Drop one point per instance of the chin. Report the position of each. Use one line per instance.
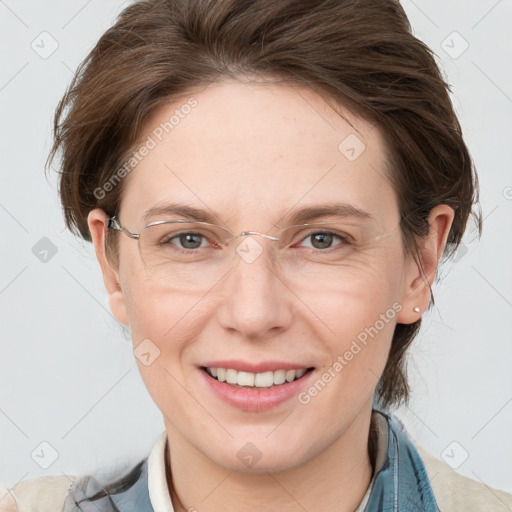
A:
(261, 455)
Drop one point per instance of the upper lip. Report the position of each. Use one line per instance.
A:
(264, 366)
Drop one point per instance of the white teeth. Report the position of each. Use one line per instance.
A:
(279, 377)
(231, 376)
(264, 380)
(245, 379)
(299, 373)
(290, 375)
(259, 380)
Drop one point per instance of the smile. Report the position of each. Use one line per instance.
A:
(255, 380)
(255, 386)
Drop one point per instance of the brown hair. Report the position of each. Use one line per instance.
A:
(360, 54)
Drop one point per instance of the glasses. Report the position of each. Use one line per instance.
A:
(194, 256)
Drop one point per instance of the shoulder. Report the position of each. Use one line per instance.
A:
(94, 492)
(43, 494)
(457, 493)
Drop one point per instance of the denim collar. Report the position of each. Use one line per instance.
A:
(401, 483)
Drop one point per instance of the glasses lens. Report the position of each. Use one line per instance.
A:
(185, 255)
(196, 256)
(328, 256)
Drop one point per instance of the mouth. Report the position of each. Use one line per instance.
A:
(249, 380)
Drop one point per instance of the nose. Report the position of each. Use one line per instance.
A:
(257, 303)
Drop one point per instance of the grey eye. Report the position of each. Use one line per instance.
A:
(190, 240)
(325, 240)
(322, 240)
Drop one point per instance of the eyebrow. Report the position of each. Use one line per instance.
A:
(299, 216)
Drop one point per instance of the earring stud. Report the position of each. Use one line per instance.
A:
(416, 309)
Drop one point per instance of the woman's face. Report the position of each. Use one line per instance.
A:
(253, 155)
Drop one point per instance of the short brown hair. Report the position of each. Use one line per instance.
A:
(360, 54)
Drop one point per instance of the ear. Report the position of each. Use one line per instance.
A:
(416, 291)
(97, 221)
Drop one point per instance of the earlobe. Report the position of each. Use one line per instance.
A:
(97, 222)
(420, 275)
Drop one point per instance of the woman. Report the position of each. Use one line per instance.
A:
(269, 188)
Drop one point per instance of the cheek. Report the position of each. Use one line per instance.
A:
(363, 289)
(166, 324)
(361, 324)
(361, 318)
(163, 328)
(164, 317)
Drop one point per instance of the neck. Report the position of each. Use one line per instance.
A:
(336, 479)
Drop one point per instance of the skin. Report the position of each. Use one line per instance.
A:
(251, 151)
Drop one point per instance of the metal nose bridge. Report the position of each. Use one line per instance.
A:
(244, 233)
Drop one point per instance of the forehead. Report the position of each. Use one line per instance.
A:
(254, 150)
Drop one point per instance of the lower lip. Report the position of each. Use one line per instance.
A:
(256, 399)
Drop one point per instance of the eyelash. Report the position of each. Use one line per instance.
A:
(344, 240)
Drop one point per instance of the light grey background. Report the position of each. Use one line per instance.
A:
(67, 371)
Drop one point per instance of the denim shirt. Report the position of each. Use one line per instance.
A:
(401, 483)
